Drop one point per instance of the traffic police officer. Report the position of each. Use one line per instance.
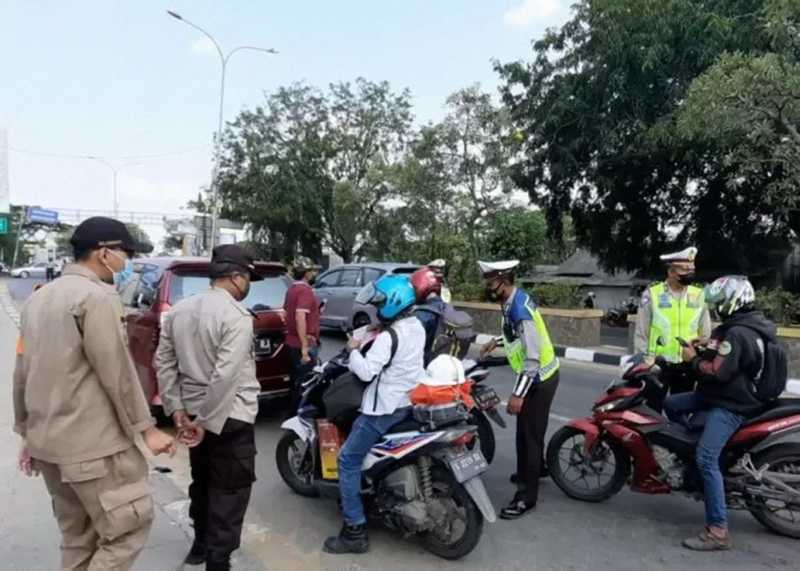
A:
(207, 381)
(78, 404)
(532, 356)
(668, 310)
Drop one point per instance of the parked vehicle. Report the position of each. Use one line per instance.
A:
(590, 459)
(617, 316)
(38, 270)
(159, 283)
(338, 287)
(422, 479)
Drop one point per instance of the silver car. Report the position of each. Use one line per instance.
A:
(338, 287)
(33, 271)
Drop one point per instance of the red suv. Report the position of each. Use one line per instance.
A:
(160, 283)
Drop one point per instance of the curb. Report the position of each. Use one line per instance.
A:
(8, 304)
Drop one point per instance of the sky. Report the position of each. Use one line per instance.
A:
(121, 79)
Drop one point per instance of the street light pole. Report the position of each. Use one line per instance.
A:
(223, 58)
(114, 170)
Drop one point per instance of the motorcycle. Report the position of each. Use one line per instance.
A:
(591, 459)
(422, 479)
(486, 403)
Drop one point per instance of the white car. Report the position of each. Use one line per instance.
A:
(33, 271)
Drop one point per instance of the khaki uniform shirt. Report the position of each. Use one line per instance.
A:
(77, 396)
(644, 319)
(205, 360)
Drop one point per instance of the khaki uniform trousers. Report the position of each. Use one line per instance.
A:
(104, 509)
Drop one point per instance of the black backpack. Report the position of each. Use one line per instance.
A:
(454, 333)
(771, 379)
(343, 398)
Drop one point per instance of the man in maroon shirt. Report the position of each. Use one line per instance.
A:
(302, 324)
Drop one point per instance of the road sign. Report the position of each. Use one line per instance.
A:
(41, 216)
(3, 225)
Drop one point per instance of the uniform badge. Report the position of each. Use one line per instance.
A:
(664, 300)
(725, 348)
(693, 301)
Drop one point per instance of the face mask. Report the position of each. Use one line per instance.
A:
(121, 277)
(686, 279)
(492, 293)
(243, 293)
(312, 279)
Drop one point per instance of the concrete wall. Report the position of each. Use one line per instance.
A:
(789, 337)
(567, 327)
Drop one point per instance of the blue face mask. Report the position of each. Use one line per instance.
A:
(124, 275)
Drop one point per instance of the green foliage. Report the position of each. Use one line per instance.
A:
(557, 295)
(779, 305)
(468, 291)
(598, 115)
(522, 234)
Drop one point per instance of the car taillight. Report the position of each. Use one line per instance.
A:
(464, 439)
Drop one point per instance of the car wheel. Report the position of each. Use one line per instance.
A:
(24, 275)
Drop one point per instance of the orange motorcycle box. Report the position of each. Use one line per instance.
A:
(330, 442)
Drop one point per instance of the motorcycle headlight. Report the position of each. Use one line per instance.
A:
(609, 406)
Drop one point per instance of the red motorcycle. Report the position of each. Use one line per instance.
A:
(590, 459)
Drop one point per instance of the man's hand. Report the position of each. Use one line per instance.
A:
(180, 419)
(488, 348)
(689, 353)
(159, 442)
(305, 357)
(514, 405)
(353, 344)
(191, 434)
(25, 462)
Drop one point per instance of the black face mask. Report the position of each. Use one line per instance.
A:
(492, 293)
(686, 279)
(312, 279)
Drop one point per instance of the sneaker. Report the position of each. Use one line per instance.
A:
(351, 539)
(707, 541)
(516, 509)
(196, 555)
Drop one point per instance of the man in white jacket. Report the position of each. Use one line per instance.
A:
(393, 366)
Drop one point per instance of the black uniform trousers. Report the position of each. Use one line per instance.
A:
(531, 430)
(223, 472)
(675, 380)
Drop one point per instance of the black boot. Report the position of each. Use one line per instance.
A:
(197, 554)
(352, 539)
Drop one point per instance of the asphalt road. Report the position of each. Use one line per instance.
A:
(628, 532)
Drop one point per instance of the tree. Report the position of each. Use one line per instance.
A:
(521, 234)
(597, 131)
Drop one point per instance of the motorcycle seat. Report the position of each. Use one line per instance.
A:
(781, 409)
(407, 425)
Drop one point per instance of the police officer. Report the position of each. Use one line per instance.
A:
(207, 381)
(532, 356)
(78, 404)
(668, 310)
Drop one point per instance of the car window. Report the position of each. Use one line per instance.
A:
(371, 274)
(350, 278)
(266, 294)
(144, 282)
(331, 279)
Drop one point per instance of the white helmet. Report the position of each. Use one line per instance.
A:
(444, 370)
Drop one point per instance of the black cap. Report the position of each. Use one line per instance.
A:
(102, 232)
(230, 258)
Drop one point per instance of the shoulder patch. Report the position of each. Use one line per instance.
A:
(725, 348)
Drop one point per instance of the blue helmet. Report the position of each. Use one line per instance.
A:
(391, 295)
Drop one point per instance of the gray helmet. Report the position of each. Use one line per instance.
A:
(730, 294)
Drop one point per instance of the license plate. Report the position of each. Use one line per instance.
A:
(486, 397)
(263, 346)
(467, 466)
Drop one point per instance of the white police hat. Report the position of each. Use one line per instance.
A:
(497, 267)
(687, 255)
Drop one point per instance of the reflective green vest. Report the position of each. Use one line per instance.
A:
(522, 305)
(673, 318)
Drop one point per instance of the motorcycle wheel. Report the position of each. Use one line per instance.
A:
(485, 434)
(569, 465)
(781, 520)
(464, 518)
(295, 470)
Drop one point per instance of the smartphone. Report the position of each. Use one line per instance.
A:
(682, 342)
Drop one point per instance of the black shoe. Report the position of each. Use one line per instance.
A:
(516, 509)
(197, 554)
(352, 539)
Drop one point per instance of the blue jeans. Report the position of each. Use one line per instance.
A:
(367, 431)
(720, 425)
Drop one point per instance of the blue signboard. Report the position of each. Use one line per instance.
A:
(37, 215)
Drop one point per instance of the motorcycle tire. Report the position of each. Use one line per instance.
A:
(622, 468)
(778, 455)
(301, 486)
(444, 484)
(485, 434)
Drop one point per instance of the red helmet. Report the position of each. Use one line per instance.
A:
(426, 282)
